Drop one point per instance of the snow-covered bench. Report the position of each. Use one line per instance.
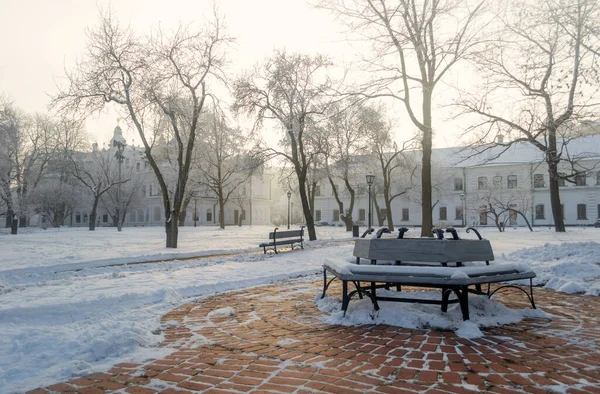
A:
(289, 237)
(400, 262)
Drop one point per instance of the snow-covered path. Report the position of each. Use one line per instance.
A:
(70, 304)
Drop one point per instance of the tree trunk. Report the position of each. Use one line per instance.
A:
(557, 214)
(172, 231)
(92, 226)
(310, 221)
(182, 215)
(9, 216)
(221, 213)
(426, 142)
(388, 214)
(377, 212)
(14, 228)
(526, 220)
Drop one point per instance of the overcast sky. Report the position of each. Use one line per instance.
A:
(39, 38)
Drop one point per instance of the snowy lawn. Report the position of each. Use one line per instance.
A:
(71, 304)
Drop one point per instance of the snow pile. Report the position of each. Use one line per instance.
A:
(484, 312)
(572, 267)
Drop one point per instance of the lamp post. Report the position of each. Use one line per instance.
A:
(119, 155)
(289, 194)
(462, 206)
(370, 180)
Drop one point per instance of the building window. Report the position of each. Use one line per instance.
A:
(482, 183)
(539, 211)
(318, 215)
(497, 180)
(144, 190)
(458, 213)
(336, 215)
(150, 190)
(483, 215)
(458, 184)
(511, 182)
(405, 214)
(85, 218)
(105, 218)
(208, 215)
(538, 180)
(561, 179)
(580, 180)
(361, 214)
(317, 191)
(443, 215)
(581, 212)
(77, 217)
(137, 167)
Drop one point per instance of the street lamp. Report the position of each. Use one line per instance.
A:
(370, 180)
(119, 155)
(462, 206)
(289, 194)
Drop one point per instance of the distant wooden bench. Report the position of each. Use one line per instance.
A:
(423, 262)
(289, 237)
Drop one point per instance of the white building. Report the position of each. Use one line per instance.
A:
(463, 189)
(517, 177)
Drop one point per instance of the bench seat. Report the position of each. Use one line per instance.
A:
(450, 280)
(281, 242)
(288, 237)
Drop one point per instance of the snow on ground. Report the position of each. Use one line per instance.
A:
(72, 302)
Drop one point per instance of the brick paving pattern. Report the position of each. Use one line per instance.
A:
(275, 342)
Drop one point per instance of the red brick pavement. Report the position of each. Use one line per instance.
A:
(275, 342)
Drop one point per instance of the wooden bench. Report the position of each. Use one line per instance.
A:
(423, 262)
(289, 237)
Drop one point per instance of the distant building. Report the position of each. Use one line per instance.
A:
(463, 187)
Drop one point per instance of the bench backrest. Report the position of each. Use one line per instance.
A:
(286, 234)
(424, 250)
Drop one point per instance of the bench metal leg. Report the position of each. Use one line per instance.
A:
(529, 295)
(325, 283)
(463, 299)
(358, 289)
(445, 298)
(345, 298)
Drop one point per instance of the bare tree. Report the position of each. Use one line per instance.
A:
(397, 169)
(166, 77)
(540, 61)
(95, 171)
(416, 44)
(33, 147)
(293, 90)
(224, 166)
(345, 143)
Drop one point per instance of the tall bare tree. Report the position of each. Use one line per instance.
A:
(397, 169)
(416, 43)
(538, 60)
(95, 172)
(223, 164)
(162, 76)
(344, 147)
(293, 90)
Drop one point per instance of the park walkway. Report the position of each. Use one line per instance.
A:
(271, 339)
